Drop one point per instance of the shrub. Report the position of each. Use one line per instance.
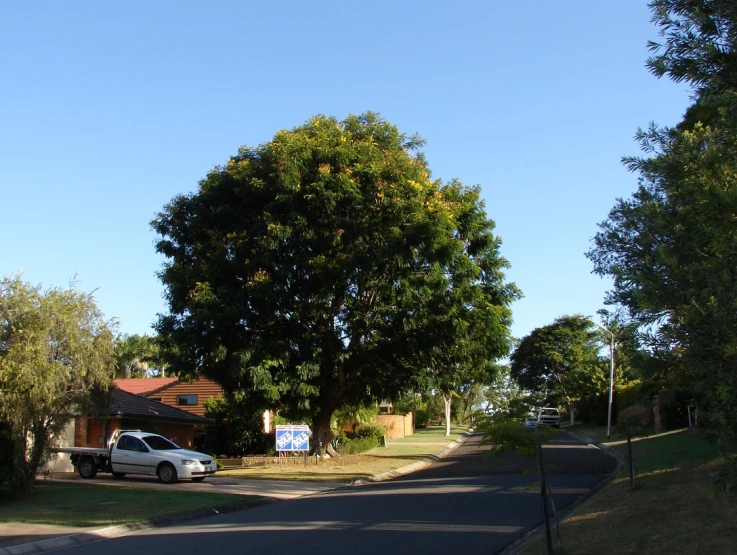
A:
(628, 394)
(358, 445)
(370, 430)
(636, 423)
(422, 418)
(238, 427)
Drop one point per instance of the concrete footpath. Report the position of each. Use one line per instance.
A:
(17, 538)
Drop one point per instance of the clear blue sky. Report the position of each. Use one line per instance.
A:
(109, 109)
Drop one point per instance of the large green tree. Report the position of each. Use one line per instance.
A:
(671, 247)
(301, 269)
(468, 315)
(561, 360)
(56, 349)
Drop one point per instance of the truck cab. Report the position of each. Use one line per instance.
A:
(548, 416)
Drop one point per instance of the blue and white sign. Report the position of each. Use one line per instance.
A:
(293, 437)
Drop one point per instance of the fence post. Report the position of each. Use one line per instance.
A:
(629, 454)
(543, 492)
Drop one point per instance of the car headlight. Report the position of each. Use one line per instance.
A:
(187, 462)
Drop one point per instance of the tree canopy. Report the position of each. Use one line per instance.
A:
(560, 360)
(303, 269)
(56, 349)
(671, 247)
(133, 354)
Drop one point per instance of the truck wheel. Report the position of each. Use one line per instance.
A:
(118, 474)
(167, 473)
(87, 469)
(199, 479)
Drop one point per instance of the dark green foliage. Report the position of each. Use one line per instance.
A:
(6, 458)
(671, 247)
(508, 434)
(700, 46)
(422, 418)
(561, 359)
(348, 446)
(238, 428)
(304, 270)
(370, 429)
(629, 394)
(636, 425)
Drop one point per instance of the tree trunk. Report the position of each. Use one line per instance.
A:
(572, 410)
(322, 434)
(447, 399)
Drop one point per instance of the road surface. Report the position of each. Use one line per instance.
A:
(463, 504)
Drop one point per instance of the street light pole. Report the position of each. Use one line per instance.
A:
(611, 378)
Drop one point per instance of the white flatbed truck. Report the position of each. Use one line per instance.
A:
(135, 452)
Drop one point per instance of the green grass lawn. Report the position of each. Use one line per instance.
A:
(670, 510)
(348, 468)
(433, 434)
(598, 433)
(80, 505)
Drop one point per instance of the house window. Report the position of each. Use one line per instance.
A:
(187, 400)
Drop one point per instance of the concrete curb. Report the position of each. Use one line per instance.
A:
(452, 446)
(110, 532)
(518, 546)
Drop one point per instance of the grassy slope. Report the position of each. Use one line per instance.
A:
(668, 512)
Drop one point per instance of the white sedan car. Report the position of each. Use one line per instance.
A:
(152, 454)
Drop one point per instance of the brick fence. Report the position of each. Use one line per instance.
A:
(397, 425)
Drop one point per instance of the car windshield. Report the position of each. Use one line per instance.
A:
(158, 443)
(550, 412)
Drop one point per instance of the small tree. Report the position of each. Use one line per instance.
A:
(55, 350)
(560, 360)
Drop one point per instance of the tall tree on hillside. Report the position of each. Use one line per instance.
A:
(55, 350)
(561, 360)
(301, 270)
(670, 247)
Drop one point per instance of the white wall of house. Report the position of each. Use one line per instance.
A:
(59, 462)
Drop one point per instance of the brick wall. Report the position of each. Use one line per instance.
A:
(181, 434)
(397, 425)
(90, 432)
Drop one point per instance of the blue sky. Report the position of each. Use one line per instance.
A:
(108, 110)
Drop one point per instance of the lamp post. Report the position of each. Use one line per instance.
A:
(611, 378)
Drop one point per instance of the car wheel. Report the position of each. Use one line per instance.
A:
(118, 474)
(87, 469)
(167, 473)
(198, 479)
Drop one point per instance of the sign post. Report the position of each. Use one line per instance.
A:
(294, 438)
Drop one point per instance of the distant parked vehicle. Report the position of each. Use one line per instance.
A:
(531, 422)
(548, 417)
(142, 453)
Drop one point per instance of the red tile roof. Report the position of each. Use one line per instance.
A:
(141, 386)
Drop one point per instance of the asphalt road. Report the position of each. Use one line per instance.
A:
(465, 503)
